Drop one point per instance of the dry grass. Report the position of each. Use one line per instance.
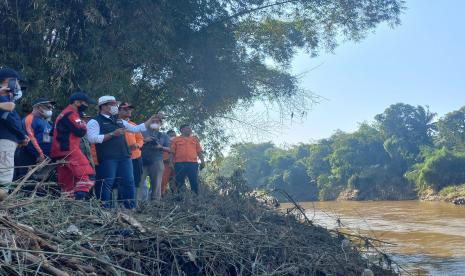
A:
(218, 233)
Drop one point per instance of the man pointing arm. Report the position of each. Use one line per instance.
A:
(106, 131)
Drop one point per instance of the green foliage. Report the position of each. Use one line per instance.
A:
(381, 183)
(405, 129)
(329, 189)
(451, 130)
(391, 159)
(252, 159)
(354, 152)
(196, 60)
(442, 168)
(268, 167)
(446, 191)
(317, 162)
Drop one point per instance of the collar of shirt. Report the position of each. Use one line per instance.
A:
(106, 116)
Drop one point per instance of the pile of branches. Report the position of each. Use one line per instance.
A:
(221, 232)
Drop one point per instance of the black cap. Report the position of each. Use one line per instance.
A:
(80, 96)
(126, 105)
(42, 101)
(6, 73)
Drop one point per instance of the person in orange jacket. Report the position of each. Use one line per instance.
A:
(185, 154)
(135, 142)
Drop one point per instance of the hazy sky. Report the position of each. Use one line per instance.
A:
(421, 62)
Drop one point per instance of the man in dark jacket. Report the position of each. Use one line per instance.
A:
(74, 174)
(107, 132)
(39, 128)
(12, 133)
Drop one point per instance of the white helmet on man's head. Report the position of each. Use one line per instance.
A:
(106, 99)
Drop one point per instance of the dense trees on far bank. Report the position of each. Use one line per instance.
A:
(398, 156)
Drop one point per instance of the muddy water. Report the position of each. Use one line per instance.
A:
(429, 237)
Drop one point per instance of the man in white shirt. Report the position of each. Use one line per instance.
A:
(106, 131)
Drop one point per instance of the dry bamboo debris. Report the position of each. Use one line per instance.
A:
(210, 234)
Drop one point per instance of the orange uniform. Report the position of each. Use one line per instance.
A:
(168, 172)
(135, 139)
(93, 153)
(185, 149)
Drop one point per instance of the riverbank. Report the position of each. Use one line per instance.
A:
(451, 194)
(213, 234)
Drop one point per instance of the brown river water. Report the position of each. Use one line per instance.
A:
(429, 237)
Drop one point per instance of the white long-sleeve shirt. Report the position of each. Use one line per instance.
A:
(93, 130)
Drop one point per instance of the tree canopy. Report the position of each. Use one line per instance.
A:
(195, 60)
(451, 130)
(402, 153)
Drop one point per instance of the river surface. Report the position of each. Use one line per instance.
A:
(429, 237)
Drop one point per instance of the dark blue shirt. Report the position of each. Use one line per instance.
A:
(10, 124)
(161, 138)
(40, 131)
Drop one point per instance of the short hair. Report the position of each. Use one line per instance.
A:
(183, 126)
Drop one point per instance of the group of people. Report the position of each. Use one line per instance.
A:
(95, 155)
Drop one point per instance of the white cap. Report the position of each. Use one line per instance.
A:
(106, 99)
(161, 115)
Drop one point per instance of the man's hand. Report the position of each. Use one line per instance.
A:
(202, 165)
(40, 159)
(24, 142)
(8, 106)
(133, 147)
(119, 132)
(4, 89)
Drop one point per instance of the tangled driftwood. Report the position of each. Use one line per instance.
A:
(212, 234)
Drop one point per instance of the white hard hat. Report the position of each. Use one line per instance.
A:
(106, 99)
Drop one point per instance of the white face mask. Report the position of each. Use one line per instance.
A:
(113, 110)
(48, 113)
(155, 126)
(18, 95)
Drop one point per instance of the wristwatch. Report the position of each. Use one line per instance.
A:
(112, 134)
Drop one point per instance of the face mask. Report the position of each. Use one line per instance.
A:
(82, 108)
(154, 126)
(17, 95)
(114, 110)
(48, 113)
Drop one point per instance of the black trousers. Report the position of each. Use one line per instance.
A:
(137, 170)
(189, 170)
(22, 159)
